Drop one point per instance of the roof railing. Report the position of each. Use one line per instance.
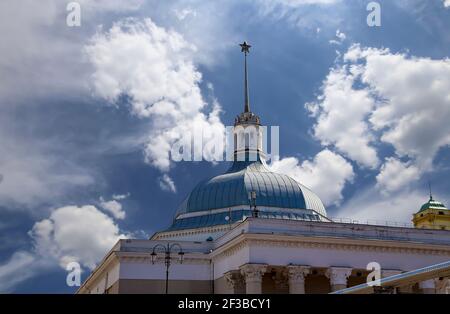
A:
(372, 222)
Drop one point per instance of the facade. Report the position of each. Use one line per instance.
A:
(251, 230)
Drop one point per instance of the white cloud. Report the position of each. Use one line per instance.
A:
(447, 3)
(82, 234)
(414, 109)
(154, 67)
(20, 267)
(340, 38)
(113, 207)
(119, 197)
(408, 107)
(70, 234)
(377, 208)
(326, 174)
(395, 175)
(166, 183)
(341, 111)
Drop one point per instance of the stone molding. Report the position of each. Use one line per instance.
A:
(189, 232)
(302, 242)
(160, 259)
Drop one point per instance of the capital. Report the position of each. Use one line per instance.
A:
(297, 273)
(234, 279)
(338, 275)
(253, 272)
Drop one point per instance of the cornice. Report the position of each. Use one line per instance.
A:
(246, 240)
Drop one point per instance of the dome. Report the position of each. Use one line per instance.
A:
(432, 204)
(225, 198)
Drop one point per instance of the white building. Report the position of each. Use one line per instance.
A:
(251, 230)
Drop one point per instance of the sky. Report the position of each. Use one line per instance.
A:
(89, 113)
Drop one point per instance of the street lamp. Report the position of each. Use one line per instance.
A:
(252, 198)
(167, 250)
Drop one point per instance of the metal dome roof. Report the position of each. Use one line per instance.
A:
(432, 204)
(231, 189)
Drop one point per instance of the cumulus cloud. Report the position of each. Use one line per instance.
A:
(341, 113)
(113, 207)
(153, 67)
(326, 174)
(395, 175)
(408, 107)
(81, 234)
(447, 3)
(414, 105)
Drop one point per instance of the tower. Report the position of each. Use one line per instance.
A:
(432, 215)
(247, 132)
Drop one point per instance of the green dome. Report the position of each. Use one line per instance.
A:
(432, 204)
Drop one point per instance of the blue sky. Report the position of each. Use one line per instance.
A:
(87, 114)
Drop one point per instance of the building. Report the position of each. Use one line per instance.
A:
(432, 215)
(251, 230)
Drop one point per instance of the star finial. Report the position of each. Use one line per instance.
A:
(245, 47)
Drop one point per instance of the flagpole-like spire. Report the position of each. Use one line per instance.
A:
(429, 187)
(245, 48)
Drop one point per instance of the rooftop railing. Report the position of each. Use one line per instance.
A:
(372, 222)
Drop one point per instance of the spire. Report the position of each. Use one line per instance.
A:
(245, 48)
(429, 187)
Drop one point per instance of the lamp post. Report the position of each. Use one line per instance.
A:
(252, 198)
(167, 250)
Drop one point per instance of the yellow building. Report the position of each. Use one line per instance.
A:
(432, 215)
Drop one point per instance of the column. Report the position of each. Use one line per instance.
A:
(338, 277)
(442, 285)
(296, 278)
(235, 281)
(253, 277)
(428, 286)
